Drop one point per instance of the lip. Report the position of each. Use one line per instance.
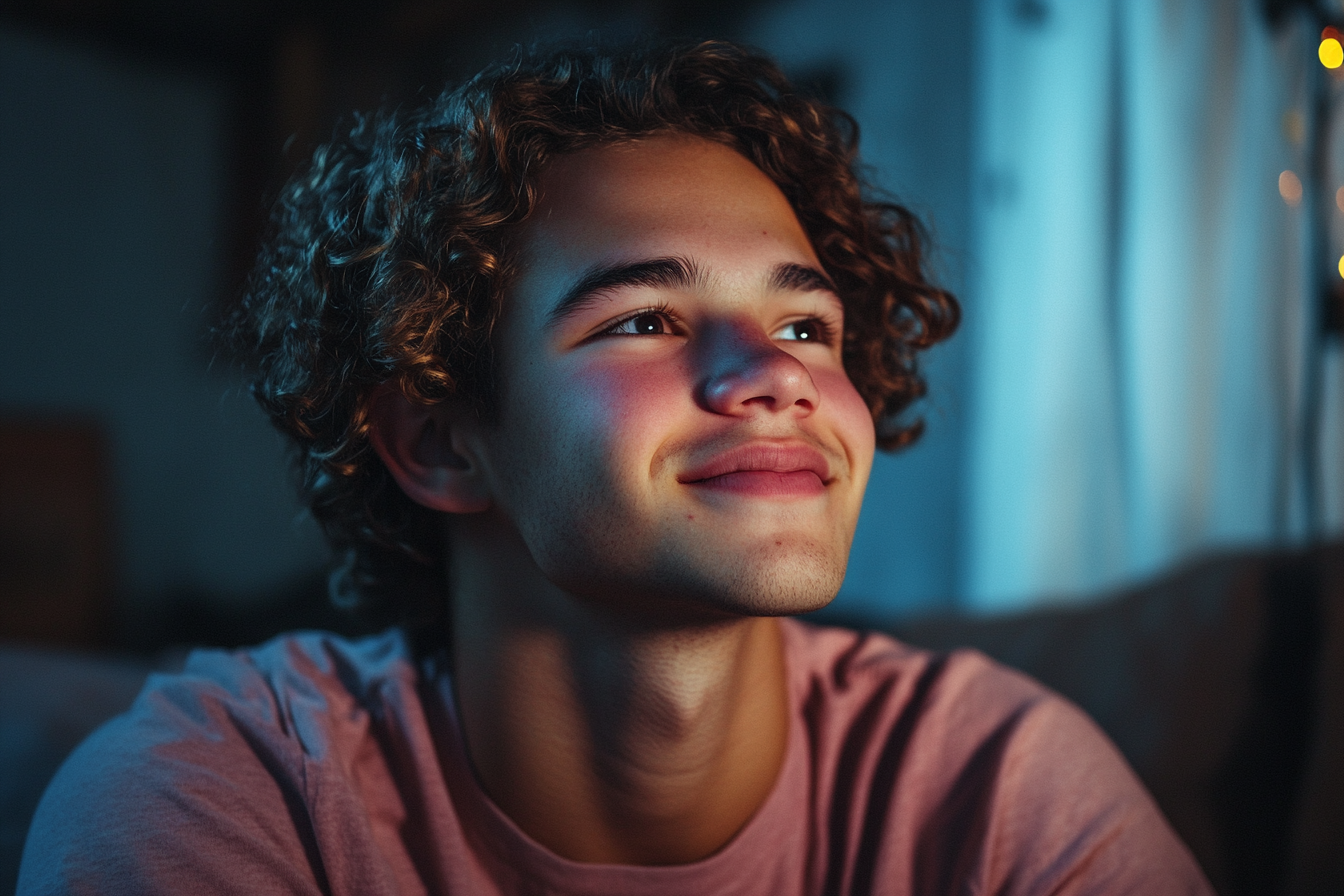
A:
(763, 469)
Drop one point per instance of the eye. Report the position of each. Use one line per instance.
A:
(645, 323)
(809, 329)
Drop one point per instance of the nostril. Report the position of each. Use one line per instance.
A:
(766, 379)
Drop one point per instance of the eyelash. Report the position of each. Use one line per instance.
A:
(825, 330)
(659, 310)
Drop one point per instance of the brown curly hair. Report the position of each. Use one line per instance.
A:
(386, 266)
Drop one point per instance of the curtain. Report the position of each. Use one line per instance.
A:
(1145, 335)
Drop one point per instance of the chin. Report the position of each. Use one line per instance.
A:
(800, 581)
(679, 593)
(773, 594)
(627, 570)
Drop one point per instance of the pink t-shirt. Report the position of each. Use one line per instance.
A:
(315, 764)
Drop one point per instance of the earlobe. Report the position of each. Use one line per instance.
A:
(430, 450)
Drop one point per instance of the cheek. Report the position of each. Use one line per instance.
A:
(853, 422)
(627, 404)
(578, 454)
(605, 418)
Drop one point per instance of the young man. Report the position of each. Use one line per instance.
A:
(585, 365)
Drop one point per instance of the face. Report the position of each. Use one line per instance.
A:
(676, 424)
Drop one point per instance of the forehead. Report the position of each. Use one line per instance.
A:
(657, 183)
(649, 198)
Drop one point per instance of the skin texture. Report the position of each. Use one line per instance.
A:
(678, 458)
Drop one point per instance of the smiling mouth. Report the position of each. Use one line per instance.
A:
(763, 469)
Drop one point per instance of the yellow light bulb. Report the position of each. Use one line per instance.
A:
(1331, 53)
(1341, 266)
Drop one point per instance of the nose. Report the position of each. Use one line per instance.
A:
(746, 372)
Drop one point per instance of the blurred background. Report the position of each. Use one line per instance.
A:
(1139, 202)
(1135, 202)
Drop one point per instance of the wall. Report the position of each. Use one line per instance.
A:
(109, 252)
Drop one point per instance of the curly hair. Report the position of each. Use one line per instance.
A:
(386, 265)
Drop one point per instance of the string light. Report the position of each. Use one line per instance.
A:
(1290, 188)
(1330, 51)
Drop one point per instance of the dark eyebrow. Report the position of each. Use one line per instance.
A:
(665, 273)
(799, 278)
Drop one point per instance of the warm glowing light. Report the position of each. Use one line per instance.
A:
(1341, 266)
(1290, 188)
(1331, 53)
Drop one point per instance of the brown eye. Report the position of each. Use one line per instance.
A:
(807, 330)
(648, 325)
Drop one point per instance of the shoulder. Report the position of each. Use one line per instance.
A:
(308, 661)
(844, 670)
(952, 766)
(304, 687)
(928, 706)
(209, 776)
(294, 699)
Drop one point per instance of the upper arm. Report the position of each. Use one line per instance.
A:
(1070, 816)
(156, 802)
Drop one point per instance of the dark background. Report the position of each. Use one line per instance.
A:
(140, 144)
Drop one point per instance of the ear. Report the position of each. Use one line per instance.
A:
(431, 450)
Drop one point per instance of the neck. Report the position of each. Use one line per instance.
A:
(608, 738)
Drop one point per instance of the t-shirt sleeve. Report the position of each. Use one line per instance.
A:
(950, 773)
(1069, 816)
(184, 793)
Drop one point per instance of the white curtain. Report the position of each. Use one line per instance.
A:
(1142, 308)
